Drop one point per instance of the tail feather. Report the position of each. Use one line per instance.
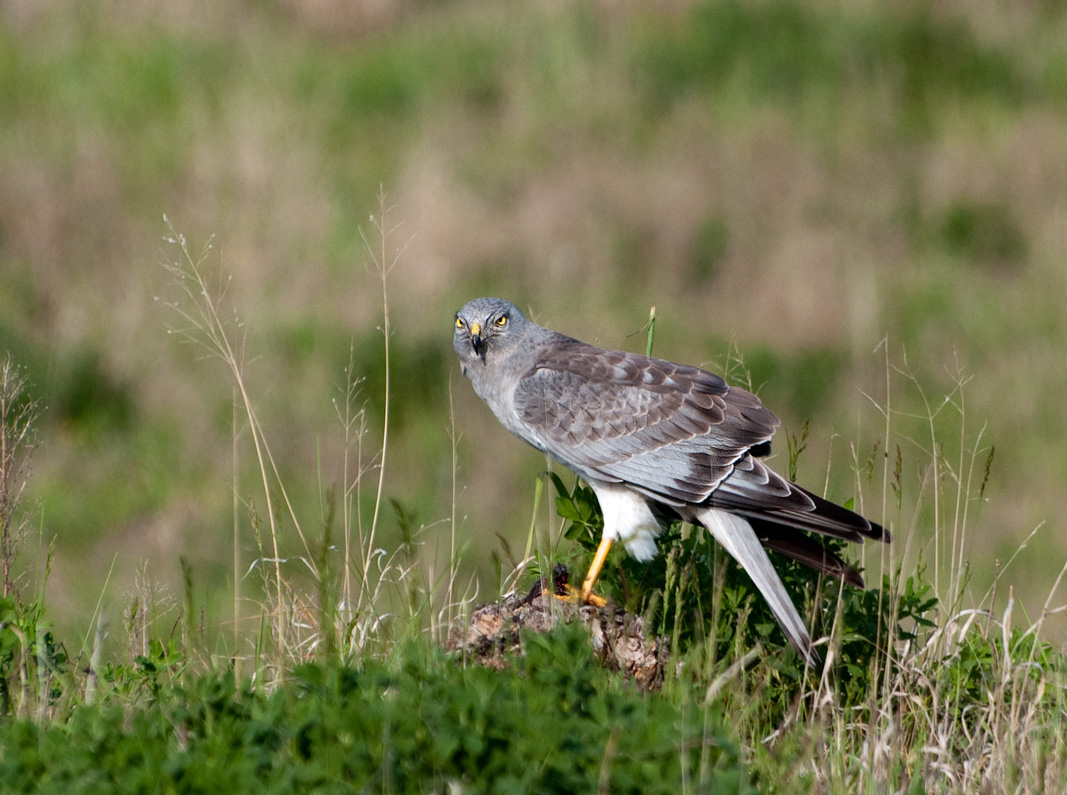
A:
(737, 537)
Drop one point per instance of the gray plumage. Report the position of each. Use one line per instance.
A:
(642, 430)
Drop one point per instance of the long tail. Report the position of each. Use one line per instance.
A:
(738, 538)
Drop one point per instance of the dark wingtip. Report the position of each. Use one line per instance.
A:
(803, 548)
(879, 533)
(852, 577)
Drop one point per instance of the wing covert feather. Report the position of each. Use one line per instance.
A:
(672, 431)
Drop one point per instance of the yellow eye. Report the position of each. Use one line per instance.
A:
(459, 322)
(502, 321)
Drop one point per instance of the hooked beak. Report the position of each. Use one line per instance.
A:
(477, 341)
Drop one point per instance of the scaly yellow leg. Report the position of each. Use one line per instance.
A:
(594, 571)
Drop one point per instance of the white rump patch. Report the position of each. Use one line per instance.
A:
(628, 519)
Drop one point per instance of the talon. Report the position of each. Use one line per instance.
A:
(574, 596)
(596, 600)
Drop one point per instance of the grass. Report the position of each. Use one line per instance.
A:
(332, 673)
(806, 183)
(441, 726)
(778, 197)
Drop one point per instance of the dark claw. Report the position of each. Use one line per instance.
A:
(560, 577)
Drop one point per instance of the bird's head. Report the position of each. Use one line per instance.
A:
(485, 329)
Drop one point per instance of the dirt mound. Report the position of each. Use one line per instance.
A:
(491, 636)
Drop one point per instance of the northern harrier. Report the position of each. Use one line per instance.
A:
(646, 432)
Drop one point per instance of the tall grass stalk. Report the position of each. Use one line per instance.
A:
(235, 458)
(974, 703)
(351, 601)
(383, 261)
(18, 413)
(224, 339)
(353, 421)
(453, 568)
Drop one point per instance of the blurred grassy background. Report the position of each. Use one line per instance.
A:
(802, 180)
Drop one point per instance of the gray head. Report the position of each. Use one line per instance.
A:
(486, 330)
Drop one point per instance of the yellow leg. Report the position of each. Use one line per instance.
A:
(594, 571)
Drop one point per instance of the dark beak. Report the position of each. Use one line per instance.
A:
(478, 344)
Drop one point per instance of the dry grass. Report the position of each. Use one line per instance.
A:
(559, 183)
(972, 704)
(331, 595)
(562, 190)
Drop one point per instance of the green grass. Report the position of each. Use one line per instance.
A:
(414, 722)
(853, 208)
(329, 669)
(339, 678)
